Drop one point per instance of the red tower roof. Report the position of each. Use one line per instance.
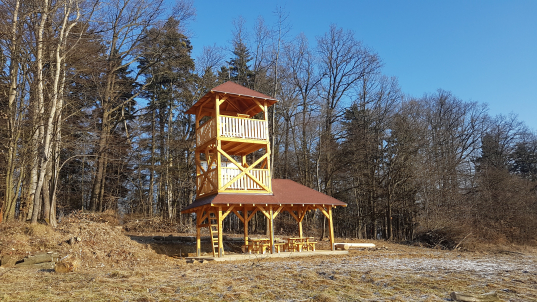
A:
(234, 90)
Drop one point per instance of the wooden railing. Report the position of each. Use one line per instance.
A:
(207, 188)
(245, 182)
(232, 127)
(206, 132)
(243, 128)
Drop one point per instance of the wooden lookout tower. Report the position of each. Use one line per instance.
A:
(231, 123)
(233, 167)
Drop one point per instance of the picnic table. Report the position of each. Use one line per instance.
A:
(299, 244)
(294, 244)
(261, 246)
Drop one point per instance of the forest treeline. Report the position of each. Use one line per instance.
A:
(93, 95)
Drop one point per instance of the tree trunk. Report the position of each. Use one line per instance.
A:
(152, 168)
(99, 175)
(42, 155)
(46, 193)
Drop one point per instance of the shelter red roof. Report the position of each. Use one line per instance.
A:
(285, 192)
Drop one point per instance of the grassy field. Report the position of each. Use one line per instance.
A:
(116, 268)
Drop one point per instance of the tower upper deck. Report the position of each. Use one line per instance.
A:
(231, 123)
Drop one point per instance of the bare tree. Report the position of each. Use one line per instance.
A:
(454, 129)
(9, 113)
(69, 13)
(344, 61)
(125, 23)
(305, 79)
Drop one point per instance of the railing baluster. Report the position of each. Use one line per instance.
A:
(244, 128)
(254, 129)
(232, 127)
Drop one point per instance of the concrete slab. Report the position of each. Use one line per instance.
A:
(238, 257)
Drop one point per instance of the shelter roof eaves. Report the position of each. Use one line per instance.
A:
(285, 192)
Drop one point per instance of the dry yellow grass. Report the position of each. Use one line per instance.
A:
(115, 268)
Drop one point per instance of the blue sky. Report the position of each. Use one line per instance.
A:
(483, 51)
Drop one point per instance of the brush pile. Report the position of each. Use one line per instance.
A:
(87, 237)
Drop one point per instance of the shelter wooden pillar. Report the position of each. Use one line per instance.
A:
(331, 226)
(199, 215)
(300, 224)
(271, 212)
(220, 234)
(245, 216)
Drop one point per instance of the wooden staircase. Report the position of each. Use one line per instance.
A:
(213, 228)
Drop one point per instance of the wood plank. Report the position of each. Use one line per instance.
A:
(271, 229)
(211, 112)
(293, 215)
(238, 215)
(229, 210)
(464, 297)
(220, 234)
(304, 211)
(262, 211)
(262, 142)
(257, 192)
(198, 232)
(244, 171)
(254, 106)
(322, 209)
(346, 246)
(203, 216)
(231, 102)
(277, 212)
(331, 227)
(252, 215)
(245, 221)
(263, 108)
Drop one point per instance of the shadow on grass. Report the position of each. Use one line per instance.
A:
(177, 248)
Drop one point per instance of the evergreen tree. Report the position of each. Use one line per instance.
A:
(238, 69)
(524, 160)
(168, 67)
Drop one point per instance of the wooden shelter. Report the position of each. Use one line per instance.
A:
(232, 124)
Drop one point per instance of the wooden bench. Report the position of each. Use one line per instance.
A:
(247, 248)
(279, 247)
(295, 246)
(256, 246)
(300, 244)
(310, 246)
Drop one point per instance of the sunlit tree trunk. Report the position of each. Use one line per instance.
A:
(9, 203)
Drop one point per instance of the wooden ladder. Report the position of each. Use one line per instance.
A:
(213, 228)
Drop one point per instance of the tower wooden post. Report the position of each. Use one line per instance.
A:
(228, 128)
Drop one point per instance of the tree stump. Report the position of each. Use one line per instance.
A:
(7, 261)
(67, 264)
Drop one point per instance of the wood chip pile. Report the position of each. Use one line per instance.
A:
(94, 244)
